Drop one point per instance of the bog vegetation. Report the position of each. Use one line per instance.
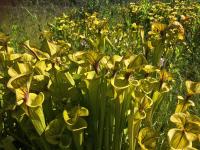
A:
(121, 80)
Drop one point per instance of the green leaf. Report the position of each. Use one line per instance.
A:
(179, 119)
(138, 61)
(82, 112)
(90, 75)
(12, 72)
(116, 58)
(192, 87)
(183, 105)
(146, 86)
(38, 119)
(147, 139)
(149, 68)
(27, 58)
(119, 82)
(139, 115)
(77, 57)
(73, 120)
(24, 68)
(128, 60)
(165, 88)
(21, 95)
(92, 57)
(190, 124)
(65, 141)
(40, 67)
(74, 124)
(18, 81)
(80, 125)
(178, 139)
(158, 27)
(141, 106)
(193, 125)
(36, 52)
(54, 131)
(70, 78)
(39, 78)
(50, 47)
(110, 92)
(35, 100)
(13, 57)
(67, 118)
(19, 68)
(156, 96)
(137, 95)
(114, 61)
(191, 136)
(133, 82)
(39, 82)
(65, 115)
(145, 103)
(164, 75)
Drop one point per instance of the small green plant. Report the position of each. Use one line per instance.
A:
(187, 126)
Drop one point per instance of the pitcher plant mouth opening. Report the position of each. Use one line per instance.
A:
(26, 96)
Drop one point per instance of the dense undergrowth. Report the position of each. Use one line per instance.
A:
(124, 78)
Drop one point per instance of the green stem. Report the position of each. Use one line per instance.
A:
(125, 107)
(153, 110)
(102, 106)
(117, 134)
(107, 133)
(77, 137)
(133, 127)
(158, 52)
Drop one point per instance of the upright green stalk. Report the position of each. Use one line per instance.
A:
(116, 141)
(102, 105)
(133, 127)
(78, 139)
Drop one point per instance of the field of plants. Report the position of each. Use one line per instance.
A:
(124, 77)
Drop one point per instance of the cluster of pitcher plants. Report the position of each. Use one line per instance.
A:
(93, 86)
